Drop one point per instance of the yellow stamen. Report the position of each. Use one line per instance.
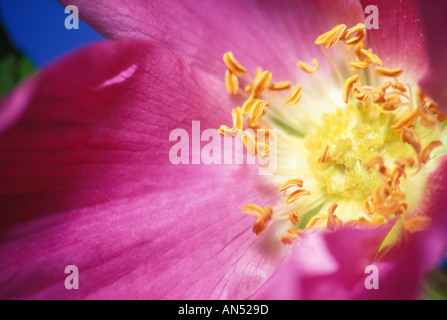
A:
(376, 221)
(428, 119)
(381, 193)
(238, 124)
(291, 235)
(360, 64)
(358, 32)
(231, 82)
(325, 156)
(368, 205)
(388, 207)
(286, 239)
(253, 124)
(234, 66)
(397, 173)
(433, 107)
(408, 136)
(385, 72)
(294, 96)
(317, 220)
(385, 86)
(262, 150)
(417, 224)
(297, 183)
(248, 105)
(392, 102)
(331, 37)
(249, 86)
(264, 216)
(238, 121)
(254, 147)
(261, 83)
(425, 154)
(306, 68)
(253, 209)
(374, 58)
(399, 170)
(333, 221)
(411, 137)
(294, 217)
(294, 196)
(406, 121)
(258, 109)
(359, 46)
(399, 87)
(360, 95)
(249, 142)
(348, 86)
(398, 195)
(379, 95)
(285, 85)
(227, 131)
(387, 198)
(405, 162)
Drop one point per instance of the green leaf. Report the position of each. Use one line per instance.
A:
(435, 286)
(14, 66)
(443, 137)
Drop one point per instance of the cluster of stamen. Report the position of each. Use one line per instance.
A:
(387, 199)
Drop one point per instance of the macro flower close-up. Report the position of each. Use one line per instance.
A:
(228, 150)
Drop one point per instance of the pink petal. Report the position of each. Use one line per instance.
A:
(401, 274)
(434, 17)
(325, 266)
(11, 111)
(86, 180)
(399, 41)
(435, 200)
(270, 34)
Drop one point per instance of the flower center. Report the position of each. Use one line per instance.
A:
(348, 166)
(345, 141)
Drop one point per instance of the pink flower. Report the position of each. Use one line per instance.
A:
(86, 178)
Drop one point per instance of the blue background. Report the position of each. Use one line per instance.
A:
(36, 27)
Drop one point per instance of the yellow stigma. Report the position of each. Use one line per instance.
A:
(354, 133)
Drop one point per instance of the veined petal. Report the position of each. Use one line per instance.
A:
(268, 33)
(399, 39)
(86, 180)
(411, 35)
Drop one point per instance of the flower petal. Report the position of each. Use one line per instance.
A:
(270, 34)
(399, 40)
(434, 17)
(402, 273)
(435, 200)
(86, 180)
(325, 266)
